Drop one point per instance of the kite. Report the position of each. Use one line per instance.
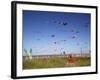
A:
(65, 23)
(77, 31)
(72, 30)
(73, 37)
(55, 42)
(61, 23)
(64, 40)
(38, 39)
(52, 35)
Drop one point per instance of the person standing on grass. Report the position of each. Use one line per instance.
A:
(71, 59)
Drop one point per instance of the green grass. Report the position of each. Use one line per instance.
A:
(55, 62)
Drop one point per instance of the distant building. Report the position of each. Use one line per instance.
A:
(52, 56)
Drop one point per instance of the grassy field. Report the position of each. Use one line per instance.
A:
(55, 62)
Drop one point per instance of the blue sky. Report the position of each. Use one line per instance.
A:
(50, 33)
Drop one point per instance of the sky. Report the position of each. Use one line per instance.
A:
(50, 33)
